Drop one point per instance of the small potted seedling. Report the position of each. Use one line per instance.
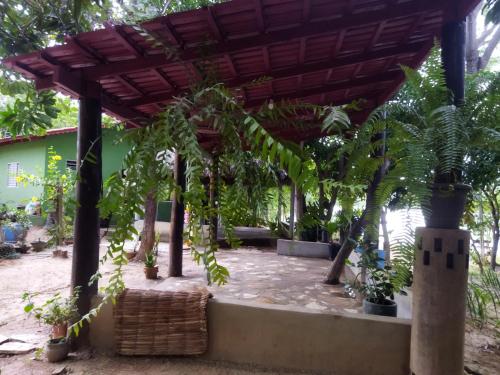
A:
(150, 266)
(56, 312)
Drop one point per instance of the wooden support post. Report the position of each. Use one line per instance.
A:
(453, 58)
(214, 199)
(177, 219)
(88, 194)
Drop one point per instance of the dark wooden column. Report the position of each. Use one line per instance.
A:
(177, 219)
(453, 58)
(88, 193)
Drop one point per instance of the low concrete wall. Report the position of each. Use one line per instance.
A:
(275, 336)
(304, 249)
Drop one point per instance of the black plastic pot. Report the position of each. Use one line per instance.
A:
(446, 206)
(389, 308)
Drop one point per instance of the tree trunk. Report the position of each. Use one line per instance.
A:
(148, 230)
(494, 249)
(213, 200)
(370, 214)
(347, 247)
(292, 211)
(385, 232)
(471, 45)
(476, 61)
(59, 216)
(495, 215)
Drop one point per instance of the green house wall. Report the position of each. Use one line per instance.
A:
(32, 157)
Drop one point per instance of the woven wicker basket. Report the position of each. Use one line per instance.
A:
(151, 322)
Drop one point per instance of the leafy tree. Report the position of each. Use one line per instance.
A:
(482, 170)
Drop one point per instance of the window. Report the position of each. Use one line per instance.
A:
(71, 164)
(12, 173)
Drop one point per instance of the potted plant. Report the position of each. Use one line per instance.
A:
(377, 288)
(56, 312)
(434, 139)
(38, 245)
(57, 349)
(150, 266)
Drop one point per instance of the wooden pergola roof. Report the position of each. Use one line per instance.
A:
(316, 51)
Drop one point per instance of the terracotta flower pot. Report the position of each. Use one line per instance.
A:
(151, 272)
(56, 253)
(64, 253)
(59, 330)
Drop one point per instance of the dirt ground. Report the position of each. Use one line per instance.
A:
(256, 275)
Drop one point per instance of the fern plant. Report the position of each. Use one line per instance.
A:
(429, 139)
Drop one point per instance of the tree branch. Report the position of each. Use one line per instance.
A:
(483, 61)
(485, 34)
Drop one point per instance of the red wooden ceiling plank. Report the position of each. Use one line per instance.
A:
(74, 44)
(190, 54)
(164, 78)
(332, 87)
(291, 72)
(302, 50)
(169, 29)
(232, 68)
(119, 35)
(127, 83)
(417, 61)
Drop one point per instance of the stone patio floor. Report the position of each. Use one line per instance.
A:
(256, 274)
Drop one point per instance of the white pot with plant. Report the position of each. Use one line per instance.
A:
(57, 312)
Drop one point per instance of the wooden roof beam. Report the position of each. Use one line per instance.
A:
(259, 13)
(74, 85)
(212, 22)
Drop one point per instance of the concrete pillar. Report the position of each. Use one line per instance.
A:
(439, 297)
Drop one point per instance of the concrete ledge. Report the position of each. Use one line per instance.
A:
(303, 249)
(279, 337)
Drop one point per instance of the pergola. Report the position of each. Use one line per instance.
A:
(315, 51)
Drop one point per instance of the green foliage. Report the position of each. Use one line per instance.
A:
(33, 113)
(402, 258)
(492, 10)
(58, 190)
(430, 140)
(55, 310)
(378, 286)
(483, 297)
(150, 260)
